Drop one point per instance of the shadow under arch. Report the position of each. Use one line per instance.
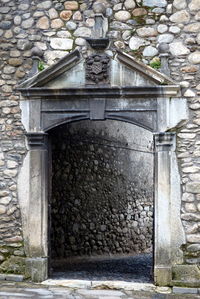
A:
(116, 124)
(82, 118)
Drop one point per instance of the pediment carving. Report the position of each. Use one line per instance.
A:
(97, 69)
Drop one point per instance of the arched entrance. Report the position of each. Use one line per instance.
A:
(101, 205)
(57, 97)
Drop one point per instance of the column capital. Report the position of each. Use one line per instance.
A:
(164, 141)
(37, 140)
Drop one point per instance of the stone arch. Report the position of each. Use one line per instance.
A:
(156, 107)
(117, 134)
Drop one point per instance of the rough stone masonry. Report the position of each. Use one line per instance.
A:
(35, 34)
(101, 205)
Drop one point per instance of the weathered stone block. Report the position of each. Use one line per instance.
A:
(36, 268)
(122, 16)
(180, 17)
(11, 277)
(152, 3)
(14, 264)
(61, 43)
(179, 290)
(193, 187)
(188, 275)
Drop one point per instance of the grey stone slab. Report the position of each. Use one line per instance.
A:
(11, 277)
(14, 294)
(100, 293)
(179, 290)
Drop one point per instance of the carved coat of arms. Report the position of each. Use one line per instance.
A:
(97, 69)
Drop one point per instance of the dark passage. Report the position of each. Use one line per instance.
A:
(102, 202)
(135, 268)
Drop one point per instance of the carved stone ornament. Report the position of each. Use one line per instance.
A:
(97, 69)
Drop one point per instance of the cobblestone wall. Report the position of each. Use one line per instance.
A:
(102, 202)
(146, 29)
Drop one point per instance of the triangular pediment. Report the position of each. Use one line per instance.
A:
(69, 72)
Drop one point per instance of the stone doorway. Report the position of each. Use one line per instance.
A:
(135, 94)
(101, 205)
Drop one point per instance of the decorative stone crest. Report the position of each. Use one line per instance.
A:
(97, 69)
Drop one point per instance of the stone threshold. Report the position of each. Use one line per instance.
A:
(106, 285)
(118, 285)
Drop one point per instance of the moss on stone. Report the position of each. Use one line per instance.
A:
(13, 265)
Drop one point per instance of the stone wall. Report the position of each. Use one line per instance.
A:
(151, 30)
(102, 189)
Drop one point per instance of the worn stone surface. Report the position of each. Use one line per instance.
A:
(180, 17)
(150, 3)
(82, 32)
(178, 49)
(150, 51)
(66, 15)
(52, 290)
(179, 4)
(43, 23)
(146, 32)
(194, 58)
(122, 16)
(194, 5)
(61, 43)
(136, 42)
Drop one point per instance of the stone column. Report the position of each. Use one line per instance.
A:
(38, 206)
(162, 216)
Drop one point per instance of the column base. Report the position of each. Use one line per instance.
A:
(163, 276)
(37, 269)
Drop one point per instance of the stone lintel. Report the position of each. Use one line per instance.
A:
(99, 92)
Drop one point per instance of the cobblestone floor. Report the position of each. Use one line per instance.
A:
(136, 268)
(12, 290)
